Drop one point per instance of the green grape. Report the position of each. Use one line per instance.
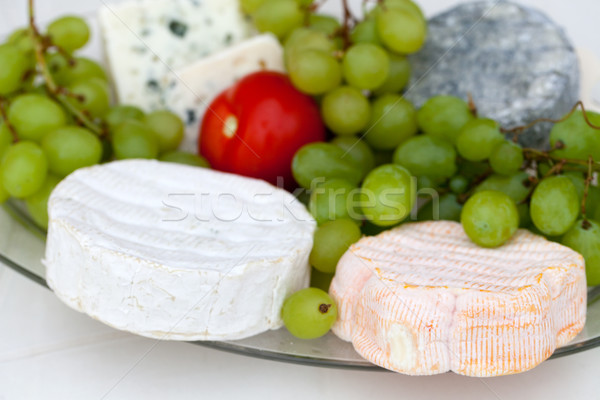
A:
(95, 96)
(580, 140)
(34, 115)
(315, 72)
(584, 238)
(320, 280)
(37, 203)
(279, 17)
(401, 31)
(304, 3)
(477, 139)
(425, 183)
(406, 5)
(70, 148)
(554, 205)
(398, 75)
(133, 139)
(121, 113)
(4, 195)
(22, 39)
(593, 201)
(365, 32)
(446, 208)
(70, 33)
(506, 158)
(181, 157)
(427, 155)
(593, 198)
(332, 239)
(324, 23)
(444, 117)
(490, 218)
(345, 110)
(303, 39)
(388, 195)
(524, 215)
(168, 128)
(24, 169)
(15, 64)
(6, 139)
(515, 186)
(393, 120)
(250, 6)
(323, 161)
(459, 184)
(309, 313)
(365, 66)
(66, 74)
(357, 151)
(332, 200)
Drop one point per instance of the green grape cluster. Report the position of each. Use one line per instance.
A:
(51, 129)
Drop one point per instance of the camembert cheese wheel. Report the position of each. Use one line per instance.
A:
(423, 299)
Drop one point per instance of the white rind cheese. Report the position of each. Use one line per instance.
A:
(145, 41)
(176, 252)
(195, 87)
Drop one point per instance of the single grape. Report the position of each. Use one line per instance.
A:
(554, 205)
(15, 64)
(332, 239)
(37, 203)
(401, 31)
(444, 117)
(427, 155)
(365, 32)
(345, 110)
(250, 6)
(357, 151)
(70, 148)
(477, 139)
(70, 33)
(506, 158)
(333, 200)
(365, 66)
(516, 186)
(121, 113)
(490, 218)
(320, 280)
(398, 76)
(82, 69)
(393, 120)
(458, 184)
(94, 96)
(324, 23)
(22, 39)
(309, 313)
(302, 39)
(444, 208)
(34, 115)
(279, 17)
(6, 139)
(323, 161)
(388, 195)
(168, 128)
(315, 72)
(579, 139)
(406, 5)
(584, 238)
(133, 139)
(24, 169)
(181, 157)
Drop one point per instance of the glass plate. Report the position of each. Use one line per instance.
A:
(22, 248)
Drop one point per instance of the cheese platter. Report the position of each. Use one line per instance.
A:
(75, 261)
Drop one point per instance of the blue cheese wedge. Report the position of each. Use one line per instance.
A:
(146, 40)
(176, 252)
(194, 87)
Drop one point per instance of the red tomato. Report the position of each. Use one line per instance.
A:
(255, 127)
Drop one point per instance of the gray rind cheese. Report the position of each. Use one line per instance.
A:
(176, 252)
(517, 64)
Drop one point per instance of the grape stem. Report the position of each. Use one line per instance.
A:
(542, 155)
(471, 104)
(59, 93)
(586, 190)
(4, 116)
(349, 20)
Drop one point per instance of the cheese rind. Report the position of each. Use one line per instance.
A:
(176, 252)
(423, 299)
(145, 41)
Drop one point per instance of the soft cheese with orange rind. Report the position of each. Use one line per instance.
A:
(423, 299)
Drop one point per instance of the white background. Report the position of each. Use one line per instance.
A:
(48, 351)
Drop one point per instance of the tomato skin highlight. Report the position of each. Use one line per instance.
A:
(255, 127)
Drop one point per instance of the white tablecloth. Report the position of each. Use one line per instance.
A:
(48, 351)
